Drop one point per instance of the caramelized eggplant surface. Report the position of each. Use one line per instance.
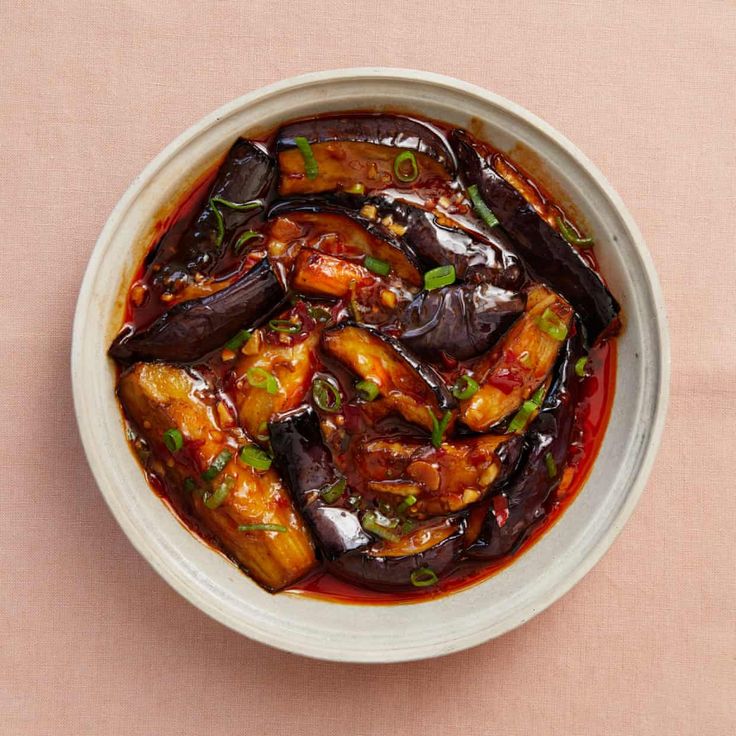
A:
(369, 358)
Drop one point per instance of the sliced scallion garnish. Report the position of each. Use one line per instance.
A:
(260, 378)
(320, 314)
(326, 396)
(380, 526)
(481, 208)
(401, 171)
(549, 461)
(465, 387)
(334, 490)
(580, 366)
(311, 168)
(238, 340)
(405, 504)
(245, 238)
(423, 577)
(438, 428)
(215, 499)
(571, 236)
(550, 323)
(217, 465)
(173, 439)
(439, 277)
(521, 418)
(255, 457)
(280, 528)
(284, 325)
(376, 265)
(239, 206)
(367, 390)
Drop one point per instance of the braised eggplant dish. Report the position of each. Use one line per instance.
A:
(367, 357)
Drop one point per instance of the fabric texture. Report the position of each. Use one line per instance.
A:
(93, 641)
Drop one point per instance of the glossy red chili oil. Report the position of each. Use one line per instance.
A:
(145, 303)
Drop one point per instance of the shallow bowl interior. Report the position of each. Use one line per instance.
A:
(379, 633)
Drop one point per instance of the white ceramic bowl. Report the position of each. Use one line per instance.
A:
(554, 564)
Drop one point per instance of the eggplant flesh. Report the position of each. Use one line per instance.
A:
(383, 130)
(412, 387)
(528, 489)
(389, 565)
(545, 252)
(462, 320)
(306, 465)
(440, 241)
(358, 232)
(246, 174)
(158, 397)
(193, 328)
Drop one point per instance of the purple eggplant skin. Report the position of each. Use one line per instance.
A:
(247, 173)
(305, 464)
(384, 130)
(529, 487)
(463, 320)
(193, 328)
(548, 256)
(489, 258)
(445, 400)
(386, 573)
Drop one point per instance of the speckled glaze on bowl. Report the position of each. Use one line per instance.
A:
(387, 633)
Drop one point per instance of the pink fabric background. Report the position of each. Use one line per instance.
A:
(92, 641)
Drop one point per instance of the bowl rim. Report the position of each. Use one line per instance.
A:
(662, 362)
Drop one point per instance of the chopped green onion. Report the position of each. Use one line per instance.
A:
(246, 237)
(438, 428)
(354, 501)
(218, 465)
(240, 206)
(238, 340)
(255, 457)
(190, 485)
(319, 314)
(423, 577)
(263, 433)
(382, 268)
(311, 168)
(405, 504)
(549, 461)
(334, 491)
(408, 526)
(580, 367)
(372, 523)
(550, 323)
(404, 175)
(173, 440)
(538, 396)
(439, 277)
(465, 387)
(481, 208)
(356, 188)
(260, 378)
(284, 325)
(521, 418)
(367, 390)
(280, 528)
(571, 236)
(326, 396)
(215, 499)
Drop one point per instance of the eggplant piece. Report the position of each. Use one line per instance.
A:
(443, 480)
(522, 500)
(411, 387)
(355, 234)
(359, 149)
(390, 564)
(440, 241)
(546, 253)
(306, 465)
(520, 362)
(191, 329)
(246, 174)
(393, 131)
(319, 274)
(463, 320)
(292, 363)
(158, 397)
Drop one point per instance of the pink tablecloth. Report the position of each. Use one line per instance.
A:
(93, 642)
